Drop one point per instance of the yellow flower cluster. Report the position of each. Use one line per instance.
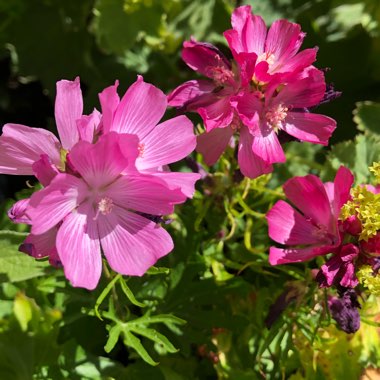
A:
(367, 279)
(365, 205)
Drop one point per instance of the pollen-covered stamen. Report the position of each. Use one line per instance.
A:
(141, 149)
(276, 115)
(221, 75)
(105, 205)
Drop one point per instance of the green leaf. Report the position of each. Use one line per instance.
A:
(158, 270)
(22, 309)
(367, 116)
(134, 342)
(14, 265)
(155, 336)
(128, 292)
(113, 337)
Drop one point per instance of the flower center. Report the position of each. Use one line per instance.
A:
(268, 57)
(221, 75)
(105, 205)
(141, 149)
(276, 114)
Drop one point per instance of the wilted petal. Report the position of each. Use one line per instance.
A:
(17, 213)
(188, 91)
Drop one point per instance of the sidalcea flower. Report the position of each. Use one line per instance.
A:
(266, 88)
(98, 209)
(311, 227)
(139, 112)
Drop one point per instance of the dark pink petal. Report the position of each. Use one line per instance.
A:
(21, 146)
(300, 61)
(17, 213)
(140, 109)
(288, 226)
(329, 272)
(188, 91)
(79, 249)
(203, 57)
(109, 101)
(184, 181)
(343, 181)
(292, 255)
(144, 193)
(40, 246)
(266, 145)
(44, 170)
(309, 196)
(68, 108)
(212, 144)
(218, 114)
(89, 125)
(349, 279)
(247, 65)
(310, 127)
(101, 163)
(50, 205)
(249, 107)
(132, 243)
(251, 29)
(168, 142)
(251, 165)
(306, 92)
(284, 40)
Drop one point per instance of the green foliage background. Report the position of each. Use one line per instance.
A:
(200, 314)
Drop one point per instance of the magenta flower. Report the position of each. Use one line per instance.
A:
(35, 151)
(101, 210)
(139, 112)
(265, 89)
(276, 50)
(310, 229)
(285, 109)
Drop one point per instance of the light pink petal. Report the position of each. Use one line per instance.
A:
(168, 142)
(101, 163)
(140, 109)
(44, 170)
(40, 246)
(267, 146)
(79, 249)
(309, 196)
(330, 270)
(251, 165)
(251, 29)
(306, 92)
(68, 108)
(184, 181)
(310, 127)
(132, 243)
(218, 114)
(144, 193)
(284, 40)
(17, 213)
(109, 101)
(212, 144)
(203, 57)
(50, 205)
(89, 125)
(21, 146)
(292, 255)
(288, 226)
(188, 91)
(343, 181)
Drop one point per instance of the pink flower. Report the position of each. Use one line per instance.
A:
(139, 112)
(100, 209)
(312, 228)
(285, 108)
(265, 89)
(26, 151)
(276, 50)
